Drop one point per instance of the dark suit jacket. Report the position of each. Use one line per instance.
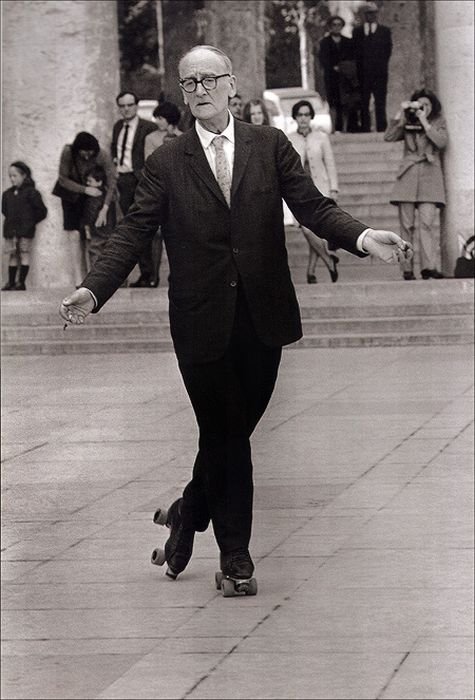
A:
(373, 52)
(144, 127)
(211, 247)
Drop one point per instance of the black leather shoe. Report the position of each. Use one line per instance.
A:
(8, 287)
(237, 564)
(311, 279)
(437, 275)
(141, 283)
(334, 272)
(179, 546)
(409, 275)
(426, 274)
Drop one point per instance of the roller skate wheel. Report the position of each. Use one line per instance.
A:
(218, 577)
(160, 516)
(158, 557)
(252, 588)
(227, 586)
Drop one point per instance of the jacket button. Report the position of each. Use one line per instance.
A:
(233, 283)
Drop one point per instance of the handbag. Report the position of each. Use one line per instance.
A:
(62, 192)
(65, 194)
(465, 264)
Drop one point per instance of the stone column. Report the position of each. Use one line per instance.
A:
(237, 27)
(454, 63)
(60, 76)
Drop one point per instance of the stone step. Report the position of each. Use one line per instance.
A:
(347, 198)
(358, 188)
(364, 148)
(365, 166)
(379, 158)
(113, 332)
(372, 178)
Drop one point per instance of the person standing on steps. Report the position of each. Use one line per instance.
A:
(315, 151)
(373, 47)
(420, 181)
(23, 208)
(217, 193)
(127, 149)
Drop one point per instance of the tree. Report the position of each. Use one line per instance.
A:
(293, 28)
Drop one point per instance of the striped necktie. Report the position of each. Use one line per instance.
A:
(223, 176)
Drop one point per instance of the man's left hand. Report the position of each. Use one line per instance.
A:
(387, 246)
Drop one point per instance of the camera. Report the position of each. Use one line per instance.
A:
(412, 120)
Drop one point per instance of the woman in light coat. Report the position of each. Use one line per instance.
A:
(316, 153)
(420, 181)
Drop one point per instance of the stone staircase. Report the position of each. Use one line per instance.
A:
(362, 313)
(369, 305)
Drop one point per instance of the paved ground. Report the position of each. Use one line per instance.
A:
(362, 536)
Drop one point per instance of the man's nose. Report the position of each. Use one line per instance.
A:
(200, 90)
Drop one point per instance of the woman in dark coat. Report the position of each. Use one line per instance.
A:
(76, 162)
(420, 181)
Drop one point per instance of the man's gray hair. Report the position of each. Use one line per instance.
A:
(213, 49)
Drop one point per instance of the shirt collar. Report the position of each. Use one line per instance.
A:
(132, 123)
(206, 136)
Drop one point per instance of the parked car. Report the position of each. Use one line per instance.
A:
(280, 101)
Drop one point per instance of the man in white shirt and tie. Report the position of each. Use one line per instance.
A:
(373, 46)
(127, 149)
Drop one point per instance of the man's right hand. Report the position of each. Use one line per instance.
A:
(77, 306)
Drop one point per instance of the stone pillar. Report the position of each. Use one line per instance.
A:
(60, 76)
(237, 27)
(455, 81)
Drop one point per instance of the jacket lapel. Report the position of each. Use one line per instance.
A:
(242, 150)
(199, 163)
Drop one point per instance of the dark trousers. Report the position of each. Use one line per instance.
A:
(378, 87)
(127, 184)
(229, 396)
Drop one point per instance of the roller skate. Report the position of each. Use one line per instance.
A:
(179, 546)
(235, 577)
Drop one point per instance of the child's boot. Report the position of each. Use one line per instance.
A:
(23, 274)
(11, 279)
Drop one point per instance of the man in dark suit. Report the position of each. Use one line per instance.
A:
(217, 192)
(373, 47)
(335, 48)
(127, 149)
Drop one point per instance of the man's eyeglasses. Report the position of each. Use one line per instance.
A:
(209, 83)
(303, 114)
(129, 104)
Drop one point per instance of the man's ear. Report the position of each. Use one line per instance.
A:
(232, 86)
(183, 94)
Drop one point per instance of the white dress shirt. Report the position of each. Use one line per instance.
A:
(126, 166)
(206, 137)
(369, 26)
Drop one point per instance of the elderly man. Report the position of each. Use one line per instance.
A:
(217, 193)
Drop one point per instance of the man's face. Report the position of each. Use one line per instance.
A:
(127, 107)
(335, 27)
(371, 16)
(207, 104)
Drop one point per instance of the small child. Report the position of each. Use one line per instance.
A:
(96, 237)
(23, 208)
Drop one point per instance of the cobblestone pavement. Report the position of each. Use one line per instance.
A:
(362, 535)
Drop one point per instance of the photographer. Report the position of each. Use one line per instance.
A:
(420, 182)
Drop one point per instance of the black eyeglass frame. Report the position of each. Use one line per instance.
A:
(214, 78)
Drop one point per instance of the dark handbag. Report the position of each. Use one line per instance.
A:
(465, 264)
(65, 194)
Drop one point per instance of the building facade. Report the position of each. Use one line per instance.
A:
(62, 72)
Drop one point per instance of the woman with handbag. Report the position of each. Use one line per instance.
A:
(76, 162)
